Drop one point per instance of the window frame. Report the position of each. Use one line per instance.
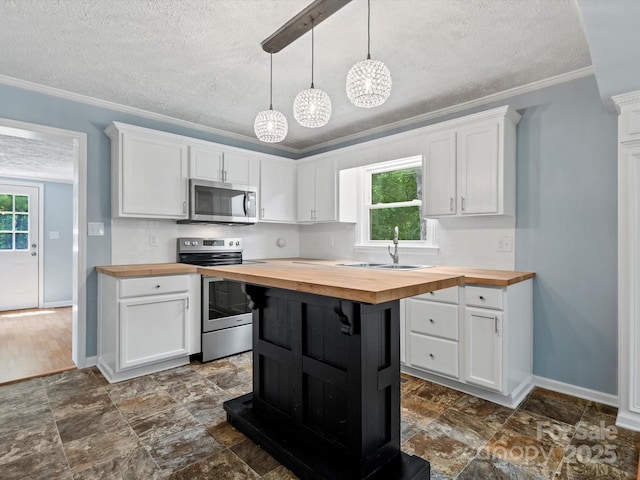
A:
(365, 206)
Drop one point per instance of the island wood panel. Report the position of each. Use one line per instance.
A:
(326, 387)
(357, 284)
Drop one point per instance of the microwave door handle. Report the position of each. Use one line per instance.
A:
(246, 204)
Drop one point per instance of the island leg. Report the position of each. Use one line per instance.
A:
(326, 387)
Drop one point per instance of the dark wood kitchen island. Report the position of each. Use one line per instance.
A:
(326, 367)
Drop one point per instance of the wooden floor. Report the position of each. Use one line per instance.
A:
(34, 343)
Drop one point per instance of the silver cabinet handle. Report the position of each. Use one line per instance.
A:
(462, 203)
(187, 303)
(262, 213)
(311, 214)
(495, 319)
(184, 207)
(451, 204)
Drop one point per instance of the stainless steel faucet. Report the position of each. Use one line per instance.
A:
(394, 255)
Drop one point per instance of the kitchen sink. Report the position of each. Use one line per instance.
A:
(384, 266)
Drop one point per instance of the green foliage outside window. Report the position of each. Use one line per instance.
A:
(393, 187)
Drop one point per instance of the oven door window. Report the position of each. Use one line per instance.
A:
(226, 299)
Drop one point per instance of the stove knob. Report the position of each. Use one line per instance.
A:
(194, 243)
(231, 244)
(187, 243)
(237, 243)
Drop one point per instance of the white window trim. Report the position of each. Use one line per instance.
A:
(363, 244)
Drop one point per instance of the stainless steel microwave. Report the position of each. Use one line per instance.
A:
(218, 202)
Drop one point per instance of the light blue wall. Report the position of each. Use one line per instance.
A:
(57, 254)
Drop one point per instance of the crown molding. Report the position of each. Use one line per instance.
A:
(625, 99)
(96, 102)
(307, 151)
(408, 122)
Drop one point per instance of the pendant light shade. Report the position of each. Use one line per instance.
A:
(312, 107)
(368, 81)
(271, 125)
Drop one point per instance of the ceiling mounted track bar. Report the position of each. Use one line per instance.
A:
(318, 11)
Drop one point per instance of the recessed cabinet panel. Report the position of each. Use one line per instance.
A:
(306, 192)
(154, 176)
(484, 348)
(434, 354)
(237, 168)
(277, 192)
(205, 163)
(437, 319)
(153, 329)
(478, 162)
(440, 164)
(317, 192)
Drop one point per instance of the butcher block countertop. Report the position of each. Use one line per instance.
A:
(327, 277)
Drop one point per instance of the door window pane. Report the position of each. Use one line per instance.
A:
(22, 222)
(22, 241)
(6, 241)
(22, 203)
(6, 221)
(6, 202)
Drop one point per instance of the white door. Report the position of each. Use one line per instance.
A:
(440, 175)
(19, 247)
(484, 348)
(325, 185)
(306, 192)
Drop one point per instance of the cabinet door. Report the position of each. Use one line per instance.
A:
(154, 176)
(205, 163)
(164, 315)
(478, 161)
(440, 175)
(484, 348)
(236, 168)
(277, 192)
(306, 193)
(325, 192)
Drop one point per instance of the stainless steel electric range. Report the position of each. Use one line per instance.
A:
(226, 316)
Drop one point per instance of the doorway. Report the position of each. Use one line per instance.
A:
(77, 310)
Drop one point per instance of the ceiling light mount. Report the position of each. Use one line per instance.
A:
(317, 11)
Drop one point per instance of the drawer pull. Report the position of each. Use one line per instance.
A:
(481, 297)
(431, 320)
(157, 286)
(495, 319)
(431, 355)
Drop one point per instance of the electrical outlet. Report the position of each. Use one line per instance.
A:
(505, 244)
(95, 229)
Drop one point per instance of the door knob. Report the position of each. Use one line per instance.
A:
(33, 245)
(33, 254)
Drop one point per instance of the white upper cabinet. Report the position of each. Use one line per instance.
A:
(209, 162)
(277, 191)
(148, 173)
(470, 165)
(317, 192)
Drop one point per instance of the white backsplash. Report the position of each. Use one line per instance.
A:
(148, 241)
(468, 242)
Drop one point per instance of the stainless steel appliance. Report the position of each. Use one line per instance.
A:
(226, 316)
(219, 202)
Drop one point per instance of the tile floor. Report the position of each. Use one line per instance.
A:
(75, 425)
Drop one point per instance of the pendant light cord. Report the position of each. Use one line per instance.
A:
(271, 83)
(312, 54)
(368, 29)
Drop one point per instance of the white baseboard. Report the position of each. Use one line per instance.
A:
(63, 303)
(628, 420)
(576, 391)
(90, 361)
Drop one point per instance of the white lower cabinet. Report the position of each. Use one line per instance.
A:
(146, 324)
(475, 338)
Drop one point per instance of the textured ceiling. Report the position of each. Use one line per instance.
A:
(32, 158)
(201, 61)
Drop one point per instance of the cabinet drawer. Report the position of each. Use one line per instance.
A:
(446, 295)
(487, 297)
(137, 287)
(439, 319)
(434, 354)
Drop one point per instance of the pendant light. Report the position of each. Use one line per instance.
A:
(312, 107)
(368, 81)
(271, 125)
